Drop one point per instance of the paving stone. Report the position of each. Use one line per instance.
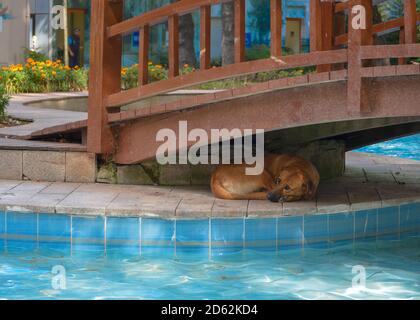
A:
(6, 185)
(60, 188)
(142, 205)
(31, 186)
(195, 208)
(261, 208)
(393, 197)
(43, 202)
(332, 203)
(380, 177)
(44, 166)
(299, 208)
(364, 198)
(11, 164)
(229, 208)
(80, 167)
(89, 203)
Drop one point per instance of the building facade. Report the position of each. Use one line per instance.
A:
(30, 26)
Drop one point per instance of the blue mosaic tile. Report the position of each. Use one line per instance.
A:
(316, 231)
(127, 249)
(157, 251)
(388, 223)
(156, 232)
(193, 232)
(341, 227)
(88, 229)
(54, 227)
(23, 247)
(227, 232)
(290, 232)
(2, 222)
(365, 224)
(410, 219)
(21, 226)
(192, 252)
(54, 249)
(123, 231)
(261, 233)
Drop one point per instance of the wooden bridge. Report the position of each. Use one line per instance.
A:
(347, 87)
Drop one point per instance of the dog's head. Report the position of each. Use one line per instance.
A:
(292, 186)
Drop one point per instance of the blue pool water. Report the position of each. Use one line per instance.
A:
(128, 258)
(391, 267)
(407, 147)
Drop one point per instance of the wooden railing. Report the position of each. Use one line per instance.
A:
(329, 46)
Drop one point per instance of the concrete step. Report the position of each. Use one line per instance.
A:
(50, 166)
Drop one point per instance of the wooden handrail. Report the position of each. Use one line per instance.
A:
(225, 72)
(390, 51)
(158, 15)
(377, 28)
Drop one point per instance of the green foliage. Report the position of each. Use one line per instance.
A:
(4, 101)
(262, 51)
(255, 78)
(42, 76)
(34, 55)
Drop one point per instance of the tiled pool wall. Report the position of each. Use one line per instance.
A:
(149, 235)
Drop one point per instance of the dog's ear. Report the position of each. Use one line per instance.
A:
(310, 190)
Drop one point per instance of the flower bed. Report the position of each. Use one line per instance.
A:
(42, 76)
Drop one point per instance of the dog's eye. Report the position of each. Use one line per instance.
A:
(287, 187)
(277, 181)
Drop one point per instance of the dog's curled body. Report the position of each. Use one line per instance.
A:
(285, 178)
(230, 182)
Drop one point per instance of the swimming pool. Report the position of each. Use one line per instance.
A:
(368, 254)
(407, 147)
(391, 269)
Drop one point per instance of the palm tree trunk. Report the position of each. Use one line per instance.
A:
(186, 40)
(228, 36)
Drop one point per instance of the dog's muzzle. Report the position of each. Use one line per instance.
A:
(274, 197)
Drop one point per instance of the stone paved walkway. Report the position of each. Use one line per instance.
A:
(41, 118)
(370, 182)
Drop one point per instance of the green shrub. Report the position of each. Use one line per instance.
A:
(42, 76)
(34, 55)
(4, 101)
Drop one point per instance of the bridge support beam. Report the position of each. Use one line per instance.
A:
(357, 36)
(105, 73)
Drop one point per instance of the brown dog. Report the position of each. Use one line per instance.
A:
(230, 182)
(285, 178)
(295, 178)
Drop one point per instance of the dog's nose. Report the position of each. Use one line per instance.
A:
(273, 197)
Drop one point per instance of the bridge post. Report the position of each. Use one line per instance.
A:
(410, 21)
(105, 73)
(327, 30)
(276, 28)
(356, 38)
(144, 55)
(240, 14)
(205, 37)
(315, 26)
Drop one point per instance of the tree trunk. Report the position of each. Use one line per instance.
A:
(186, 40)
(228, 34)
